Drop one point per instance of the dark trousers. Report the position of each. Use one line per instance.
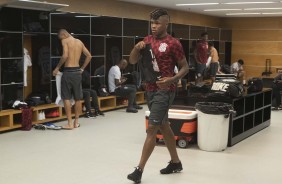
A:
(128, 91)
(276, 88)
(87, 93)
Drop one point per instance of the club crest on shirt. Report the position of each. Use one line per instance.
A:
(163, 47)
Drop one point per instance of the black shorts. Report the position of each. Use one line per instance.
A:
(200, 69)
(71, 85)
(213, 69)
(159, 103)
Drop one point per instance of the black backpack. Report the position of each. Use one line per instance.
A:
(38, 98)
(225, 69)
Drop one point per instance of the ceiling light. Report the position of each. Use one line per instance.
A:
(262, 8)
(87, 16)
(273, 13)
(196, 4)
(35, 5)
(242, 13)
(265, 2)
(222, 9)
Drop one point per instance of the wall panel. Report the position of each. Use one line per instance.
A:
(255, 40)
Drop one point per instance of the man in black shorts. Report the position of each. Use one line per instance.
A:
(201, 57)
(71, 79)
(214, 66)
(160, 94)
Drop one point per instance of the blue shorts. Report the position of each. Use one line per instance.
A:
(200, 69)
(213, 69)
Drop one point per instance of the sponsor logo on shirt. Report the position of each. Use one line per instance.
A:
(163, 47)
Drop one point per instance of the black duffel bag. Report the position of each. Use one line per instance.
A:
(232, 88)
(254, 85)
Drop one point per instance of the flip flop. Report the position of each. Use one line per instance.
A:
(78, 125)
(66, 128)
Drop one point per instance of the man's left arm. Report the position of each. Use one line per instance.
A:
(184, 69)
(167, 81)
(87, 59)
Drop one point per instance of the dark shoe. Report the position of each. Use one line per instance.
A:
(89, 115)
(136, 175)
(172, 168)
(99, 113)
(133, 110)
(138, 107)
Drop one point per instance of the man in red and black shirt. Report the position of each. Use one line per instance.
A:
(201, 56)
(167, 53)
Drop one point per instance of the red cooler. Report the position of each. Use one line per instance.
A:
(183, 124)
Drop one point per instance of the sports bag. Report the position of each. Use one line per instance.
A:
(103, 92)
(146, 66)
(254, 85)
(38, 98)
(232, 88)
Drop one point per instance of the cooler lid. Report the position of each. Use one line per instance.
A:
(179, 114)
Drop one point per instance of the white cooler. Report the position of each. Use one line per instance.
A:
(183, 124)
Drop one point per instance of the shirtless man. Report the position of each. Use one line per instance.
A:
(214, 66)
(71, 79)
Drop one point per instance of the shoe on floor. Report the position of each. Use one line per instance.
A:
(276, 108)
(99, 113)
(133, 110)
(89, 115)
(136, 175)
(138, 107)
(172, 168)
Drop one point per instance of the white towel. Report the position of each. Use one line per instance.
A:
(27, 63)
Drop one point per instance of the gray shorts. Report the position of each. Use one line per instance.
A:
(159, 103)
(71, 86)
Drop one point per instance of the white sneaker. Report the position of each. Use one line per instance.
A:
(43, 115)
(39, 117)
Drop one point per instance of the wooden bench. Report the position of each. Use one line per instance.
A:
(9, 119)
(114, 102)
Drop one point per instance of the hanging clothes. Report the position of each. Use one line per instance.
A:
(27, 63)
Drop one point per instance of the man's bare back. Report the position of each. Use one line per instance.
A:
(72, 49)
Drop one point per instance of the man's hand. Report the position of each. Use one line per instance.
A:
(140, 45)
(164, 83)
(122, 80)
(55, 72)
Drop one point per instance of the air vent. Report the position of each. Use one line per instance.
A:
(35, 5)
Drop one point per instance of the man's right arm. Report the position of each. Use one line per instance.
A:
(63, 58)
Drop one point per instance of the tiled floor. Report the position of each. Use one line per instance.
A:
(104, 150)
